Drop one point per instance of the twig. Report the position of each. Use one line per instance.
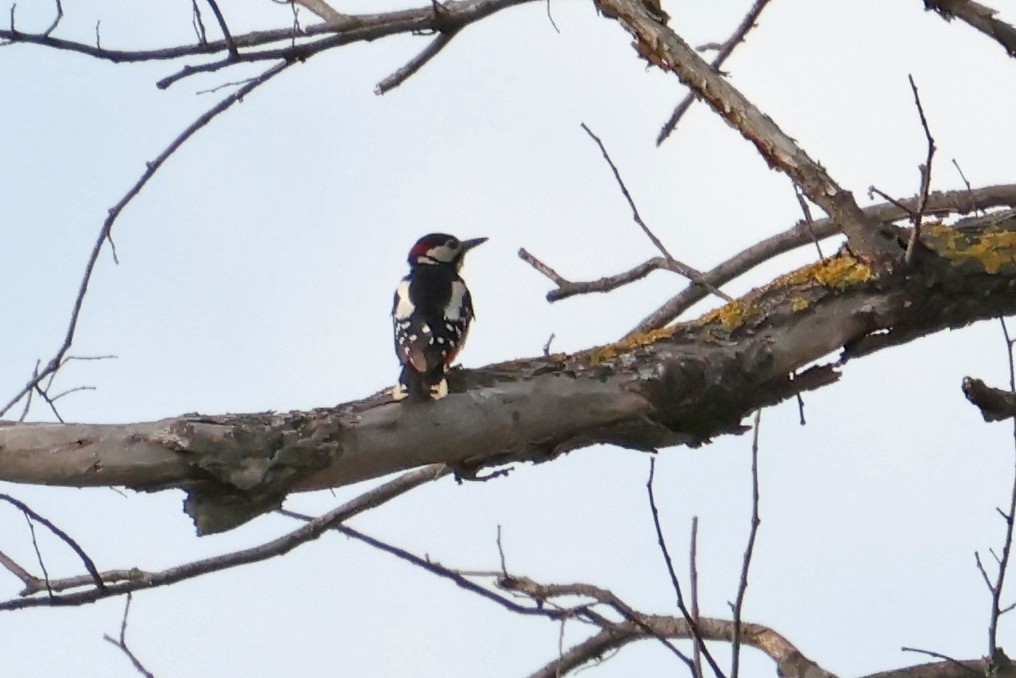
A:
(150, 169)
(500, 552)
(546, 347)
(1003, 565)
(925, 170)
(681, 268)
(550, 17)
(673, 576)
(693, 574)
(56, 19)
(322, 9)
(122, 642)
(943, 657)
(742, 586)
(803, 202)
(12, 566)
(28, 400)
(725, 50)
(566, 288)
(66, 538)
(416, 63)
(198, 23)
(38, 554)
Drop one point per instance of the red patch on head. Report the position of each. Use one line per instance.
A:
(420, 249)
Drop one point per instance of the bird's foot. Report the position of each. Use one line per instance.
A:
(399, 392)
(439, 390)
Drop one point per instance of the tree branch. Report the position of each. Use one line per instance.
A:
(679, 385)
(805, 232)
(115, 583)
(979, 17)
(659, 45)
(726, 49)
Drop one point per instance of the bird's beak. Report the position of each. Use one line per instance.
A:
(470, 244)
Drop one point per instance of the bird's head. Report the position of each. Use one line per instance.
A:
(441, 249)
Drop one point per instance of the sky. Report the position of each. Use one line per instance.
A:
(256, 271)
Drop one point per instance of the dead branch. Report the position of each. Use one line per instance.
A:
(60, 357)
(723, 53)
(742, 586)
(925, 171)
(939, 203)
(119, 582)
(121, 642)
(93, 572)
(874, 242)
(681, 268)
(675, 582)
(978, 16)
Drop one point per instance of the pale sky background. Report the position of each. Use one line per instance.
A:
(256, 272)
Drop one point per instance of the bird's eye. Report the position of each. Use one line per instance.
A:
(452, 244)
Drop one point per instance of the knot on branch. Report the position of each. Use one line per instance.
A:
(245, 465)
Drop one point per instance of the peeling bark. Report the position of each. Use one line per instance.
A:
(680, 385)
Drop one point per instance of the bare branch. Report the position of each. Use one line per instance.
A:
(925, 170)
(692, 624)
(323, 10)
(66, 538)
(724, 51)
(1003, 565)
(963, 667)
(693, 575)
(121, 642)
(789, 660)
(104, 233)
(114, 583)
(742, 586)
(806, 211)
(226, 35)
(873, 242)
(56, 19)
(416, 63)
(979, 17)
(962, 202)
(12, 566)
(683, 269)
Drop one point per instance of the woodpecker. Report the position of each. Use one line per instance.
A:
(431, 315)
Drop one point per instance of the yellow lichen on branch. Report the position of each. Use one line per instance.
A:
(992, 249)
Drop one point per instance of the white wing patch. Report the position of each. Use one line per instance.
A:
(404, 306)
(455, 302)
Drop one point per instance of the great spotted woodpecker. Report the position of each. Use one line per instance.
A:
(431, 315)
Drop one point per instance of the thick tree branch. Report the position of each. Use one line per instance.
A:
(680, 385)
(979, 17)
(659, 45)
